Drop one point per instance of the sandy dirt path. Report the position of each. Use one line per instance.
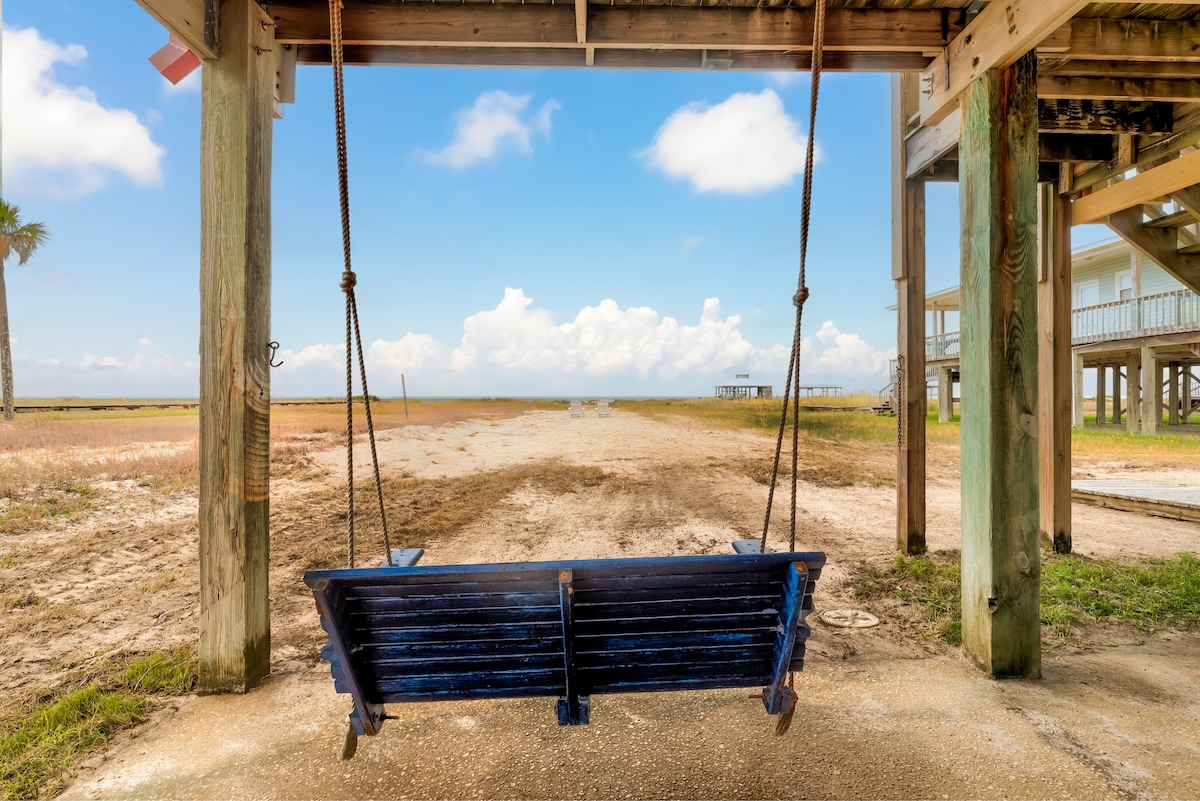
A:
(884, 712)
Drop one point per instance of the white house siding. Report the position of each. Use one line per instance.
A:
(1104, 268)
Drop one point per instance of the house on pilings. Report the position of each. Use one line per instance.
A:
(1043, 111)
(1135, 340)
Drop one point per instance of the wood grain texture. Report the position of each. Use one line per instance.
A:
(1132, 386)
(186, 19)
(619, 26)
(235, 292)
(1055, 373)
(998, 202)
(1151, 390)
(997, 37)
(908, 220)
(1142, 188)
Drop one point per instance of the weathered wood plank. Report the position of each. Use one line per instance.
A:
(1158, 243)
(908, 254)
(609, 26)
(1142, 188)
(1132, 385)
(1160, 90)
(193, 21)
(1001, 34)
(1054, 369)
(235, 323)
(1104, 116)
(1151, 391)
(998, 201)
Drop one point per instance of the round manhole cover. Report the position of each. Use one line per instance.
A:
(848, 619)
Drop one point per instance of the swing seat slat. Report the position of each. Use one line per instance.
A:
(567, 629)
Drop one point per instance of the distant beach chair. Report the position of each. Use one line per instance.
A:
(602, 409)
(576, 408)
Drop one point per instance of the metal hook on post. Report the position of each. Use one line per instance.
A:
(274, 346)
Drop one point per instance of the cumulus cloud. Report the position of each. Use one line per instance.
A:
(836, 352)
(497, 122)
(62, 136)
(744, 145)
(601, 340)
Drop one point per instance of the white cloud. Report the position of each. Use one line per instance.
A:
(333, 356)
(409, 353)
(496, 122)
(61, 139)
(602, 340)
(783, 79)
(744, 145)
(843, 354)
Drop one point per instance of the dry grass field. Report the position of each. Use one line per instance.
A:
(98, 578)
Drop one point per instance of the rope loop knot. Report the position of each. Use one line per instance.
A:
(349, 281)
(799, 298)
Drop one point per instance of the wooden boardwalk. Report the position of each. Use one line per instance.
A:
(1147, 497)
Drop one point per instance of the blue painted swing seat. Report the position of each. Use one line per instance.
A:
(567, 629)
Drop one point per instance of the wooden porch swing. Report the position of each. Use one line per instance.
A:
(564, 629)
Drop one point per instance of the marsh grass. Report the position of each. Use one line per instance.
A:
(51, 731)
(1076, 592)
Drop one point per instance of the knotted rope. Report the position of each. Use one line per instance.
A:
(792, 385)
(349, 280)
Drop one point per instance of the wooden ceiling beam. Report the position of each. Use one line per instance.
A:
(607, 58)
(1062, 68)
(1095, 38)
(996, 38)
(1149, 89)
(1142, 188)
(393, 23)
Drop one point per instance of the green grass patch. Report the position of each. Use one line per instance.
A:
(1147, 594)
(51, 732)
(763, 415)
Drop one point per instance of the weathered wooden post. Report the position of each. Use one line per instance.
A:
(1077, 416)
(1151, 391)
(235, 320)
(1173, 393)
(1131, 392)
(998, 191)
(908, 270)
(1054, 368)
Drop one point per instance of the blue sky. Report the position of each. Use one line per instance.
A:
(516, 232)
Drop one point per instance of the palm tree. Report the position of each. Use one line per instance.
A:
(23, 239)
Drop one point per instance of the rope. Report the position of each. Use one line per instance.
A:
(792, 385)
(791, 390)
(349, 280)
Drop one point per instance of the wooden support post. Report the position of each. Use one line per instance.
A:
(1186, 416)
(998, 201)
(1054, 368)
(1173, 393)
(573, 708)
(1077, 416)
(945, 395)
(1101, 392)
(1131, 392)
(908, 269)
(1151, 392)
(235, 323)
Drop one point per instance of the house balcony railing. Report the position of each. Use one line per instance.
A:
(1169, 313)
(941, 347)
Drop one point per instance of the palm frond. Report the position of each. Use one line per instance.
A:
(24, 238)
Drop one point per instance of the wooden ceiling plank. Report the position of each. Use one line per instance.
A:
(1177, 174)
(1153, 89)
(635, 27)
(997, 37)
(186, 19)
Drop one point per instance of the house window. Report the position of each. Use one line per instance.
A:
(1087, 293)
(1125, 285)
